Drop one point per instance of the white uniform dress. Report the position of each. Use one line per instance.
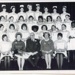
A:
(45, 15)
(22, 14)
(37, 14)
(30, 13)
(14, 15)
(54, 35)
(5, 49)
(58, 25)
(63, 16)
(11, 35)
(54, 16)
(5, 14)
(61, 44)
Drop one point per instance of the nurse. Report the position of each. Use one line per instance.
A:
(64, 13)
(54, 14)
(22, 13)
(37, 12)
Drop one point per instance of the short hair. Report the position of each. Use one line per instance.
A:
(35, 27)
(40, 17)
(11, 17)
(4, 35)
(23, 26)
(18, 33)
(43, 26)
(67, 15)
(1, 25)
(20, 17)
(63, 25)
(73, 24)
(58, 17)
(12, 26)
(60, 34)
(30, 17)
(50, 18)
(46, 33)
(1, 17)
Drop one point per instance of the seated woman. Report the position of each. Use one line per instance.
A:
(5, 49)
(47, 48)
(60, 50)
(18, 47)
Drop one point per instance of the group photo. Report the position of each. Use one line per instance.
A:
(37, 36)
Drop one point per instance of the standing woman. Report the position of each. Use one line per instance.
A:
(60, 50)
(54, 14)
(64, 13)
(30, 12)
(37, 12)
(13, 13)
(46, 13)
(47, 48)
(4, 12)
(22, 13)
(18, 47)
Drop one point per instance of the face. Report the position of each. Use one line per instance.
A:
(46, 36)
(40, 20)
(2, 27)
(44, 28)
(64, 9)
(21, 18)
(4, 9)
(37, 8)
(54, 10)
(18, 37)
(63, 27)
(12, 28)
(58, 18)
(31, 19)
(2, 19)
(21, 10)
(59, 37)
(24, 28)
(32, 36)
(53, 28)
(5, 38)
(67, 17)
(46, 9)
(49, 19)
(11, 19)
(30, 8)
(13, 9)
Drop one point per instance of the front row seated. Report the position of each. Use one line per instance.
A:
(32, 49)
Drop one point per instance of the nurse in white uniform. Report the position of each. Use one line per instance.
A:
(4, 12)
(64, 13)
(11, 31)
(60, 50)
(13, 13)
(25, 32)
(22, 13)
(54, 33)
(5, 49)
(68, 22)
(49, 22)
(30, 12)
(37, 12)
(46, 13)
(58, 22)
(54, 14)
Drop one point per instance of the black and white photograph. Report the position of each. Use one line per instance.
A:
(37, 36)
